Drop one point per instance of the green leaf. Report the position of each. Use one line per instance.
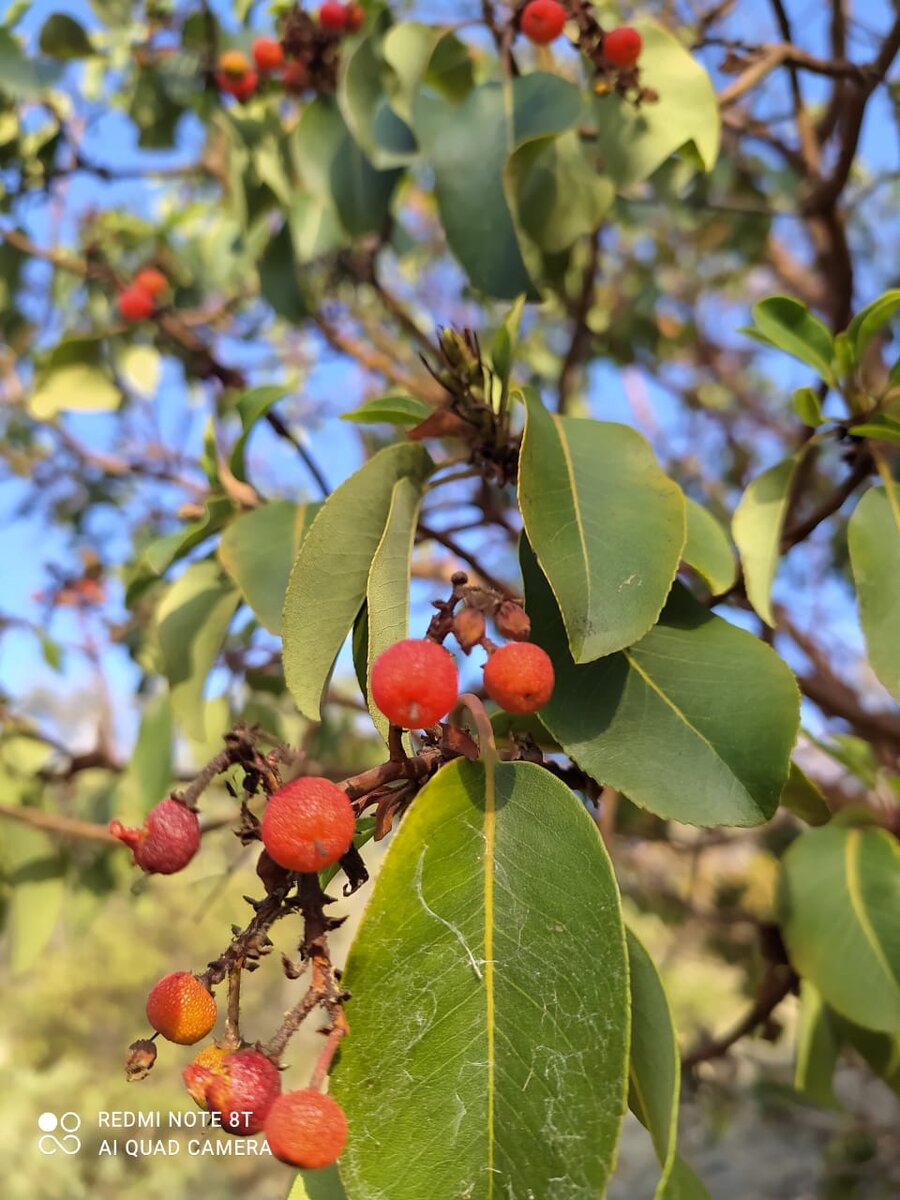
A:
(869, 320)
(818, 1048)
(802, 796)
(416, 53)
(192, 620)
(318, 1185)
(606, 524)
(380, 129)
(73, 378)
(32, 871)
(808, 406)
(635, 142)
(469, 171)
(484, 1001)
(840, 916)
(389, 410)
(140, 367)
(882, 426)
(62, 36)
(387, 589)
(150, 765)
(708, 549)
(252, 405)
(873, 536)
(880, 1050)
(788, 325)
(505, 342)
(695, 722)
(757, 526)
(258, 550)
(278, 280)
(156, 558)
(328, 582)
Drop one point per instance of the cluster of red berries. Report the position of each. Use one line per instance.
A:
(542, 21)
(138, 300)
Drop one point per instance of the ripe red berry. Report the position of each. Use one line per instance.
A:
(180, 1008)
(333, 16)
(135, 304)
(519, 677)
(308, 824)
(306, 1129)
(151, 281)
(622, 46)
(239, 1086)
(167, 841)
(268, 53)
(356, 16)
(543, 21)
(414, 683)
(295, 77)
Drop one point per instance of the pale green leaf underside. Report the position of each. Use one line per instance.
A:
(874, 540)
(708, 549)
(757, 527)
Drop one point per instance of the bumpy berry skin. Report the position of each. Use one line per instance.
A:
(306, 1129)
(543, 21)
(180, 1008)
(295, 77)
(519, 677)
(239, 1086)
(135, 304)
(268, 54)
(414, 683)
(234, 63)
(622, 46)
(333, 16)
(308, 825)
(151, 281)
(169, 839)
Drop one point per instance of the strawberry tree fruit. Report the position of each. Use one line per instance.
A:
(333, 16)
(167, 841)
(622, 46)
(234, 63)
(181, 1008)
(306, 1129)
(308, 825)
(240, 1086)
(356, 16)
(135, 304)
(519, 677)
(295, 77)
(543, 21)
(151, 281)
(414, 683)
(268, 54)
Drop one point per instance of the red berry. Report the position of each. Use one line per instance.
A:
(308, 824)
(356, 16)
(135, 304)
(268, 53)
(306, 1129)
(414, 683)
(151, 281)
(543, 21)
(622, 46)
(295, 77)
(239, 1086)
(519, 677)
(168, 840)
(333, 16)
(180, 1008)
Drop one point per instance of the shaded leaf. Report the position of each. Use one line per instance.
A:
(873, 535)
(62, 36)
(757, 526)
(708, 549)
(804, 798)
(32, 871)
(318, 1185)
(818, 1048)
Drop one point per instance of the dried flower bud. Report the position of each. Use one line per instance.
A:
(468, 628)
(139, 1060)
(512, 622)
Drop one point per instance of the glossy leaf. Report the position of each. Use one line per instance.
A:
(389, 410)
(327, 585)
(840, 916)
(808, 406)
(873, 535)
(757, 527)
(788, 325)
(867, 322)
(32, 871)
(258, 550)
(708, 549)
(490, 1021)
(192, 620)
(695, 722)
(606, 524)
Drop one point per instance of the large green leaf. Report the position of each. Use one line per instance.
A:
(489, 1049)
(840, 915)
(73, 378)
(606, 524)
(258, 550)
(32, 871)
(415, 53)
(708, 549)
(150, 764)
(880, 1050)
(380, 130)
(634, 142)
(874, 539)
(62, 36)
(787, 324)
(695, 722)
(327, 585)
(387, 589)
(757, 527)
(192, 620)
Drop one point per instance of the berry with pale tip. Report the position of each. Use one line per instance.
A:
(414, 683)
(308, 824)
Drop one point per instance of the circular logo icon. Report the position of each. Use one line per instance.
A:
(69, 1123)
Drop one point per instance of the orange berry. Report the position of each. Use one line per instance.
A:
(356, 16)
(622, 46)
(180, 1008)
(543, 21)
(151, 281)
(167, 841)
(135, 304)
(519, 677)
(268, 53)
(234, 63)
(306, 1129)
(414, 683)
(308, 824)
(333, 16)
(240, 1086)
